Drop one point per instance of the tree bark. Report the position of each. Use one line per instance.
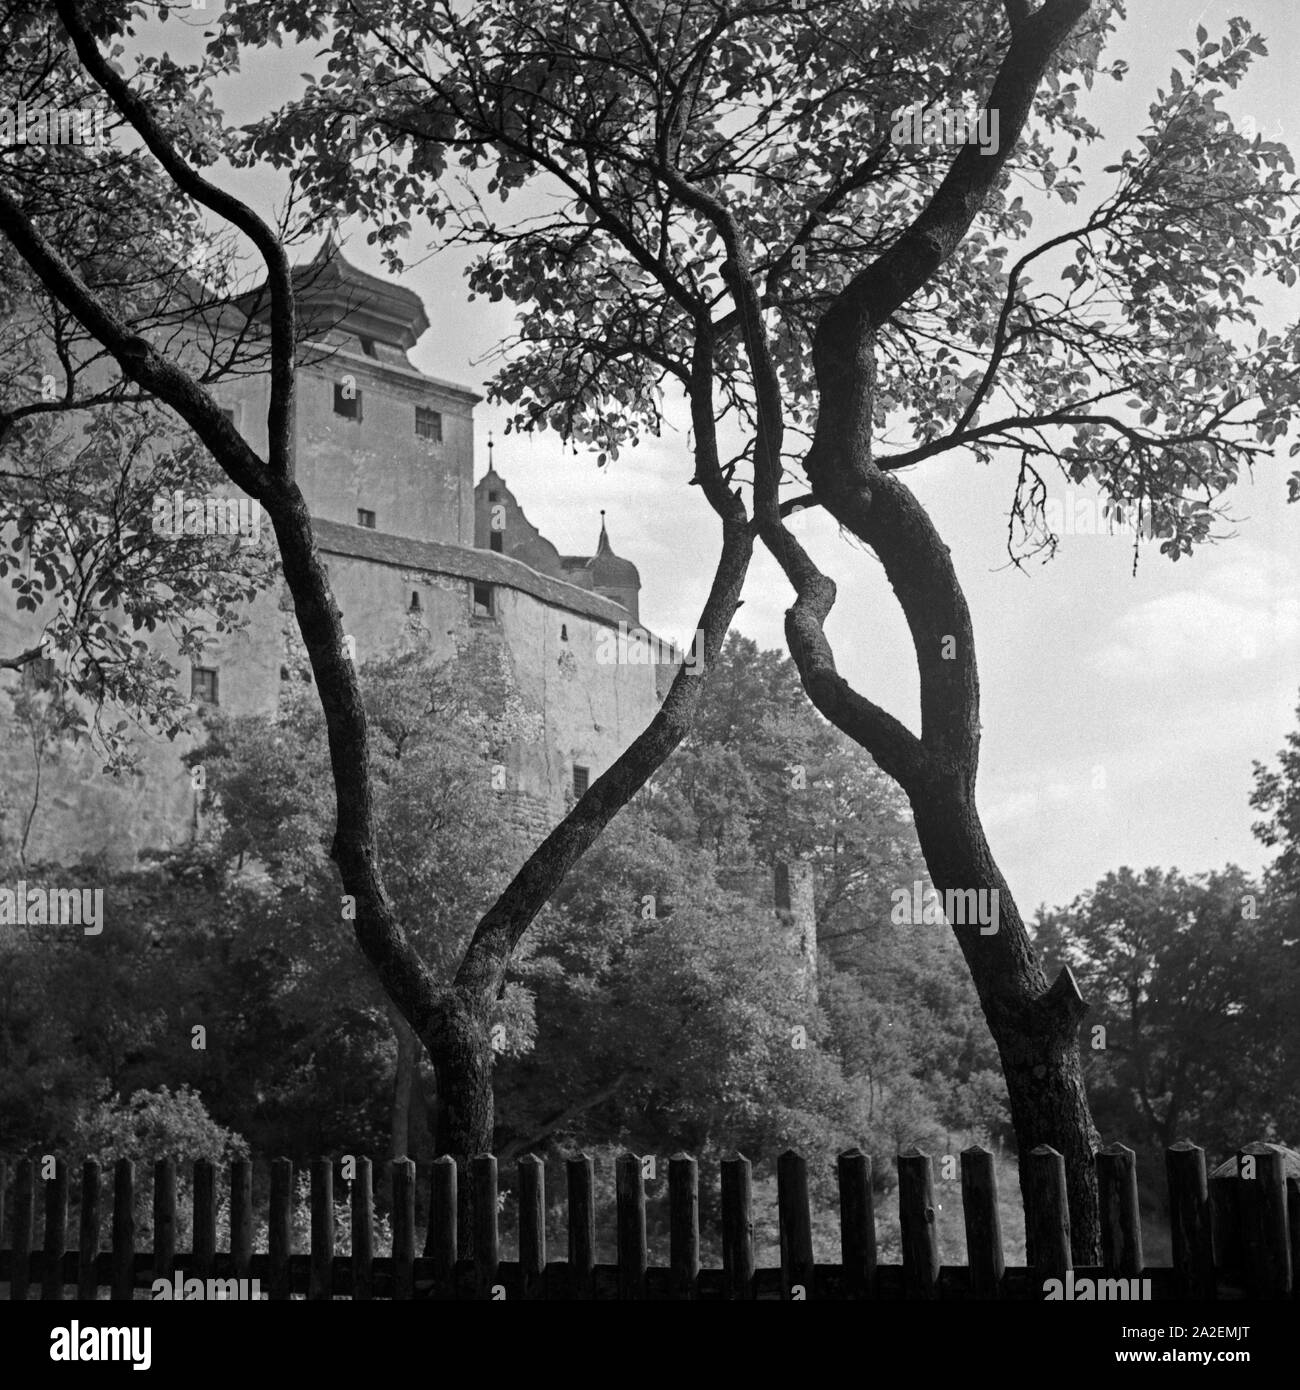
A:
(405, 1074)
(1034, 1027)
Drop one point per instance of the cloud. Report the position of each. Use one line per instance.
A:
(1243, 611)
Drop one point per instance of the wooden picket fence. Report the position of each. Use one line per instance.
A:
(1233, 1235)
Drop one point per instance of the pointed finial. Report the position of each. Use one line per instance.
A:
(329, 248)
(602, 544)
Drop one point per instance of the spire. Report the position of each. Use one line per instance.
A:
(603, 546)
(491, 465)
(330, 247)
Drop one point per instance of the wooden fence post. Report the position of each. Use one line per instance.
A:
(88, 1238)
(363, 1233)
(1293, 1226)
(279, 1230)
(487, 1237)
(123, 1230)
(1047, 1218)
(205, 1218)
(684, 1225)
(532, 1227)
(444, 1215)
(1261, 1200)
(241, 1217)
(1189, 1221)
(403, 1229)
(738, 1227)
(798, 1269)
(580, 1178)
(916, 1217)
(164, 1218)
(320, 1286)
(629, 1187)
(21, 1266)
(56, 1232)
(983, 1220)
(857, 1223)
(1121, 1224)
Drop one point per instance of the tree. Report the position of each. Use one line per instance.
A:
(670, 1011)
(84, 454)
(727, 201)
(731, 208)
(169, 108)
(1194, 984)
(1277, 796)
(439, 823)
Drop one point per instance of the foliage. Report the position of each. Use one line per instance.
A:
(672, 139)
(155, 1124)
(1193, 983)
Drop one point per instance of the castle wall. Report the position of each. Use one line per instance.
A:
(543, 657)
(537, 648)
(532, 652)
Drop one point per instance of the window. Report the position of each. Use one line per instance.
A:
(415, 601)
(564, 632)
(581, 779)
(494, 542)
(229, 412)
(428, 423)
(365, 518)
(492, 497)
(38, 674)
(203, 684)
(349, 406)
(482, 600)
(367, 346)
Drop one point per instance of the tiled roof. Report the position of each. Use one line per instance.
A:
(464, 562)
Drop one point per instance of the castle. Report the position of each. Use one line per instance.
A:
(420, 559)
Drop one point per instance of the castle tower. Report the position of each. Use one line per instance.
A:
(501, 526)
(609, 575)
(377, 443)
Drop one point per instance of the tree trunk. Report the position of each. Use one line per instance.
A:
(460, 1047)
(405, 1071)
(1034, 1027)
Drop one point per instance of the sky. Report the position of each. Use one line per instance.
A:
(1121, 713)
